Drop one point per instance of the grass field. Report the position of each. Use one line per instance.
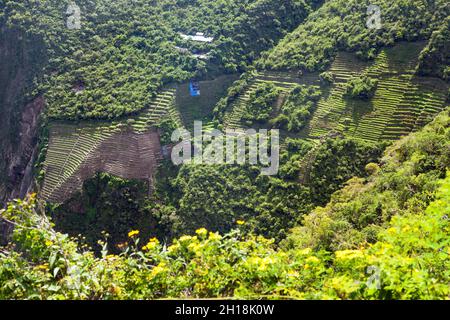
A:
(201, 108)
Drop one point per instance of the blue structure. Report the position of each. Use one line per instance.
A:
(194, 88)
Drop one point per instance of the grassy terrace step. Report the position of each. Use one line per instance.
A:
(70, 145)
(331, 108)
(60, 166)
(402, 101)
(201, 108)
(421, 103)
(125, 154)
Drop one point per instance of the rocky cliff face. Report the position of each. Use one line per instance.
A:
(21, 60)
(21, 160)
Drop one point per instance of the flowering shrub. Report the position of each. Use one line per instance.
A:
(411, 256)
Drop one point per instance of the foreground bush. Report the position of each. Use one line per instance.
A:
(410, 261)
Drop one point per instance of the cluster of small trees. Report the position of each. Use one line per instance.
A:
(261, 104)
(435, 58)
(297, 108)
(362, 87)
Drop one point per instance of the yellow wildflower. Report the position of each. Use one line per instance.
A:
(345, 285)
(305, 252)
(186, 238)
(153, 240)
(260, 264)
(152, 244)
(348, 254)
(240, 222)
(312, 260)
(215, 236)
(293, 274)
(173, 248)
(158, 269)
(265, 262)
(202, 232)
(115, 290)
(392, 230)
(406, 228)
(42, 267)
(133, 233)
(48, 243)
(384, 248)
(196, 248)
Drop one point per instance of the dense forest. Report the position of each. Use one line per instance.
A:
(346, 216)
(120, 63)
(342, 25)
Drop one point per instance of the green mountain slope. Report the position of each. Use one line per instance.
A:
(311, 113)
(113, 65)
(401, 102)
(402, 183)
(359, 208)
(403, 206)
(342, 25)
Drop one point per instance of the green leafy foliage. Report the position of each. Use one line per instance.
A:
(361, 87)
(216, 196)
(404, 184)
(297, 108)
(166, 128)
(113, 65)
(341, 25)
(261, 103)
(435, 58)
(107, 204)
(409, 261)
(338, 160)
(226, 231)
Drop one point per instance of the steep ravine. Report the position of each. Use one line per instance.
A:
(22, 59)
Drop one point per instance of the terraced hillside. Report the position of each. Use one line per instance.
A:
(128, 148)
(162, 106)
(403, 102)
(285, 81)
